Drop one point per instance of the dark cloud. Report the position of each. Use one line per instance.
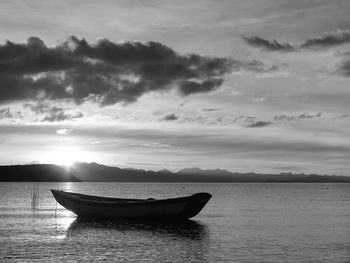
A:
(284, 117)
(53, 113)
(170, 117)
(258, 124)
(268, 45)
(189, 87)
(328, 39)
(106, 72)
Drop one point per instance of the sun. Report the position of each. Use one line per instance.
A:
(65, 156)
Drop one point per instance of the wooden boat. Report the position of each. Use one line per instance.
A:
(107, 208)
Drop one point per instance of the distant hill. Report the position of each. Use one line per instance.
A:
(198, 171)
(94, 172)
(36, 173)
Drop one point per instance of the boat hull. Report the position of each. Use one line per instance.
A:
(101, 208)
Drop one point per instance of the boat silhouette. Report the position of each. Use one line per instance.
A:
(108, 208)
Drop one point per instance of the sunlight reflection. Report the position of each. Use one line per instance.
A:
(62, 223)
(68, 186)
(66, 221)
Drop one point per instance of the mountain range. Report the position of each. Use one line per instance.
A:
(94, 172)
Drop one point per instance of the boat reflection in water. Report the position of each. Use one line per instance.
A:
(184, 241)
(188, 229)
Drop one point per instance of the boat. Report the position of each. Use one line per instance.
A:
(108, 208)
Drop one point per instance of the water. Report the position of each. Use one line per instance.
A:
(241, 223)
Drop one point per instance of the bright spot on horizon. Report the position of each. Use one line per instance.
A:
(65, 156)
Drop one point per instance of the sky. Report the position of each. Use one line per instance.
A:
(248, 86)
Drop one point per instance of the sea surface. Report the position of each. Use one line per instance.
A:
(241, 223)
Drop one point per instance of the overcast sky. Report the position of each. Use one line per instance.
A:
(247, 86)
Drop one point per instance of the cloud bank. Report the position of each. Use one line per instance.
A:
(107, 72)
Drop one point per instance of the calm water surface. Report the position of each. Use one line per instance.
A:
(241, 223)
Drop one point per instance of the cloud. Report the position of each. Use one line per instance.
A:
(57, 114)
(258, 98)
(211, 109)
(152, 145)
(258, 124)
(170, 117)
(343, 67)
(341, 116)
(64, 131)
(189, 87)
(309, 116)
(328, 39)
(251, 122)
(53, 113)
(38, 108)
(284, 117)
(106, 72)
(268, 45)
(5, 113)
(257, 67)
